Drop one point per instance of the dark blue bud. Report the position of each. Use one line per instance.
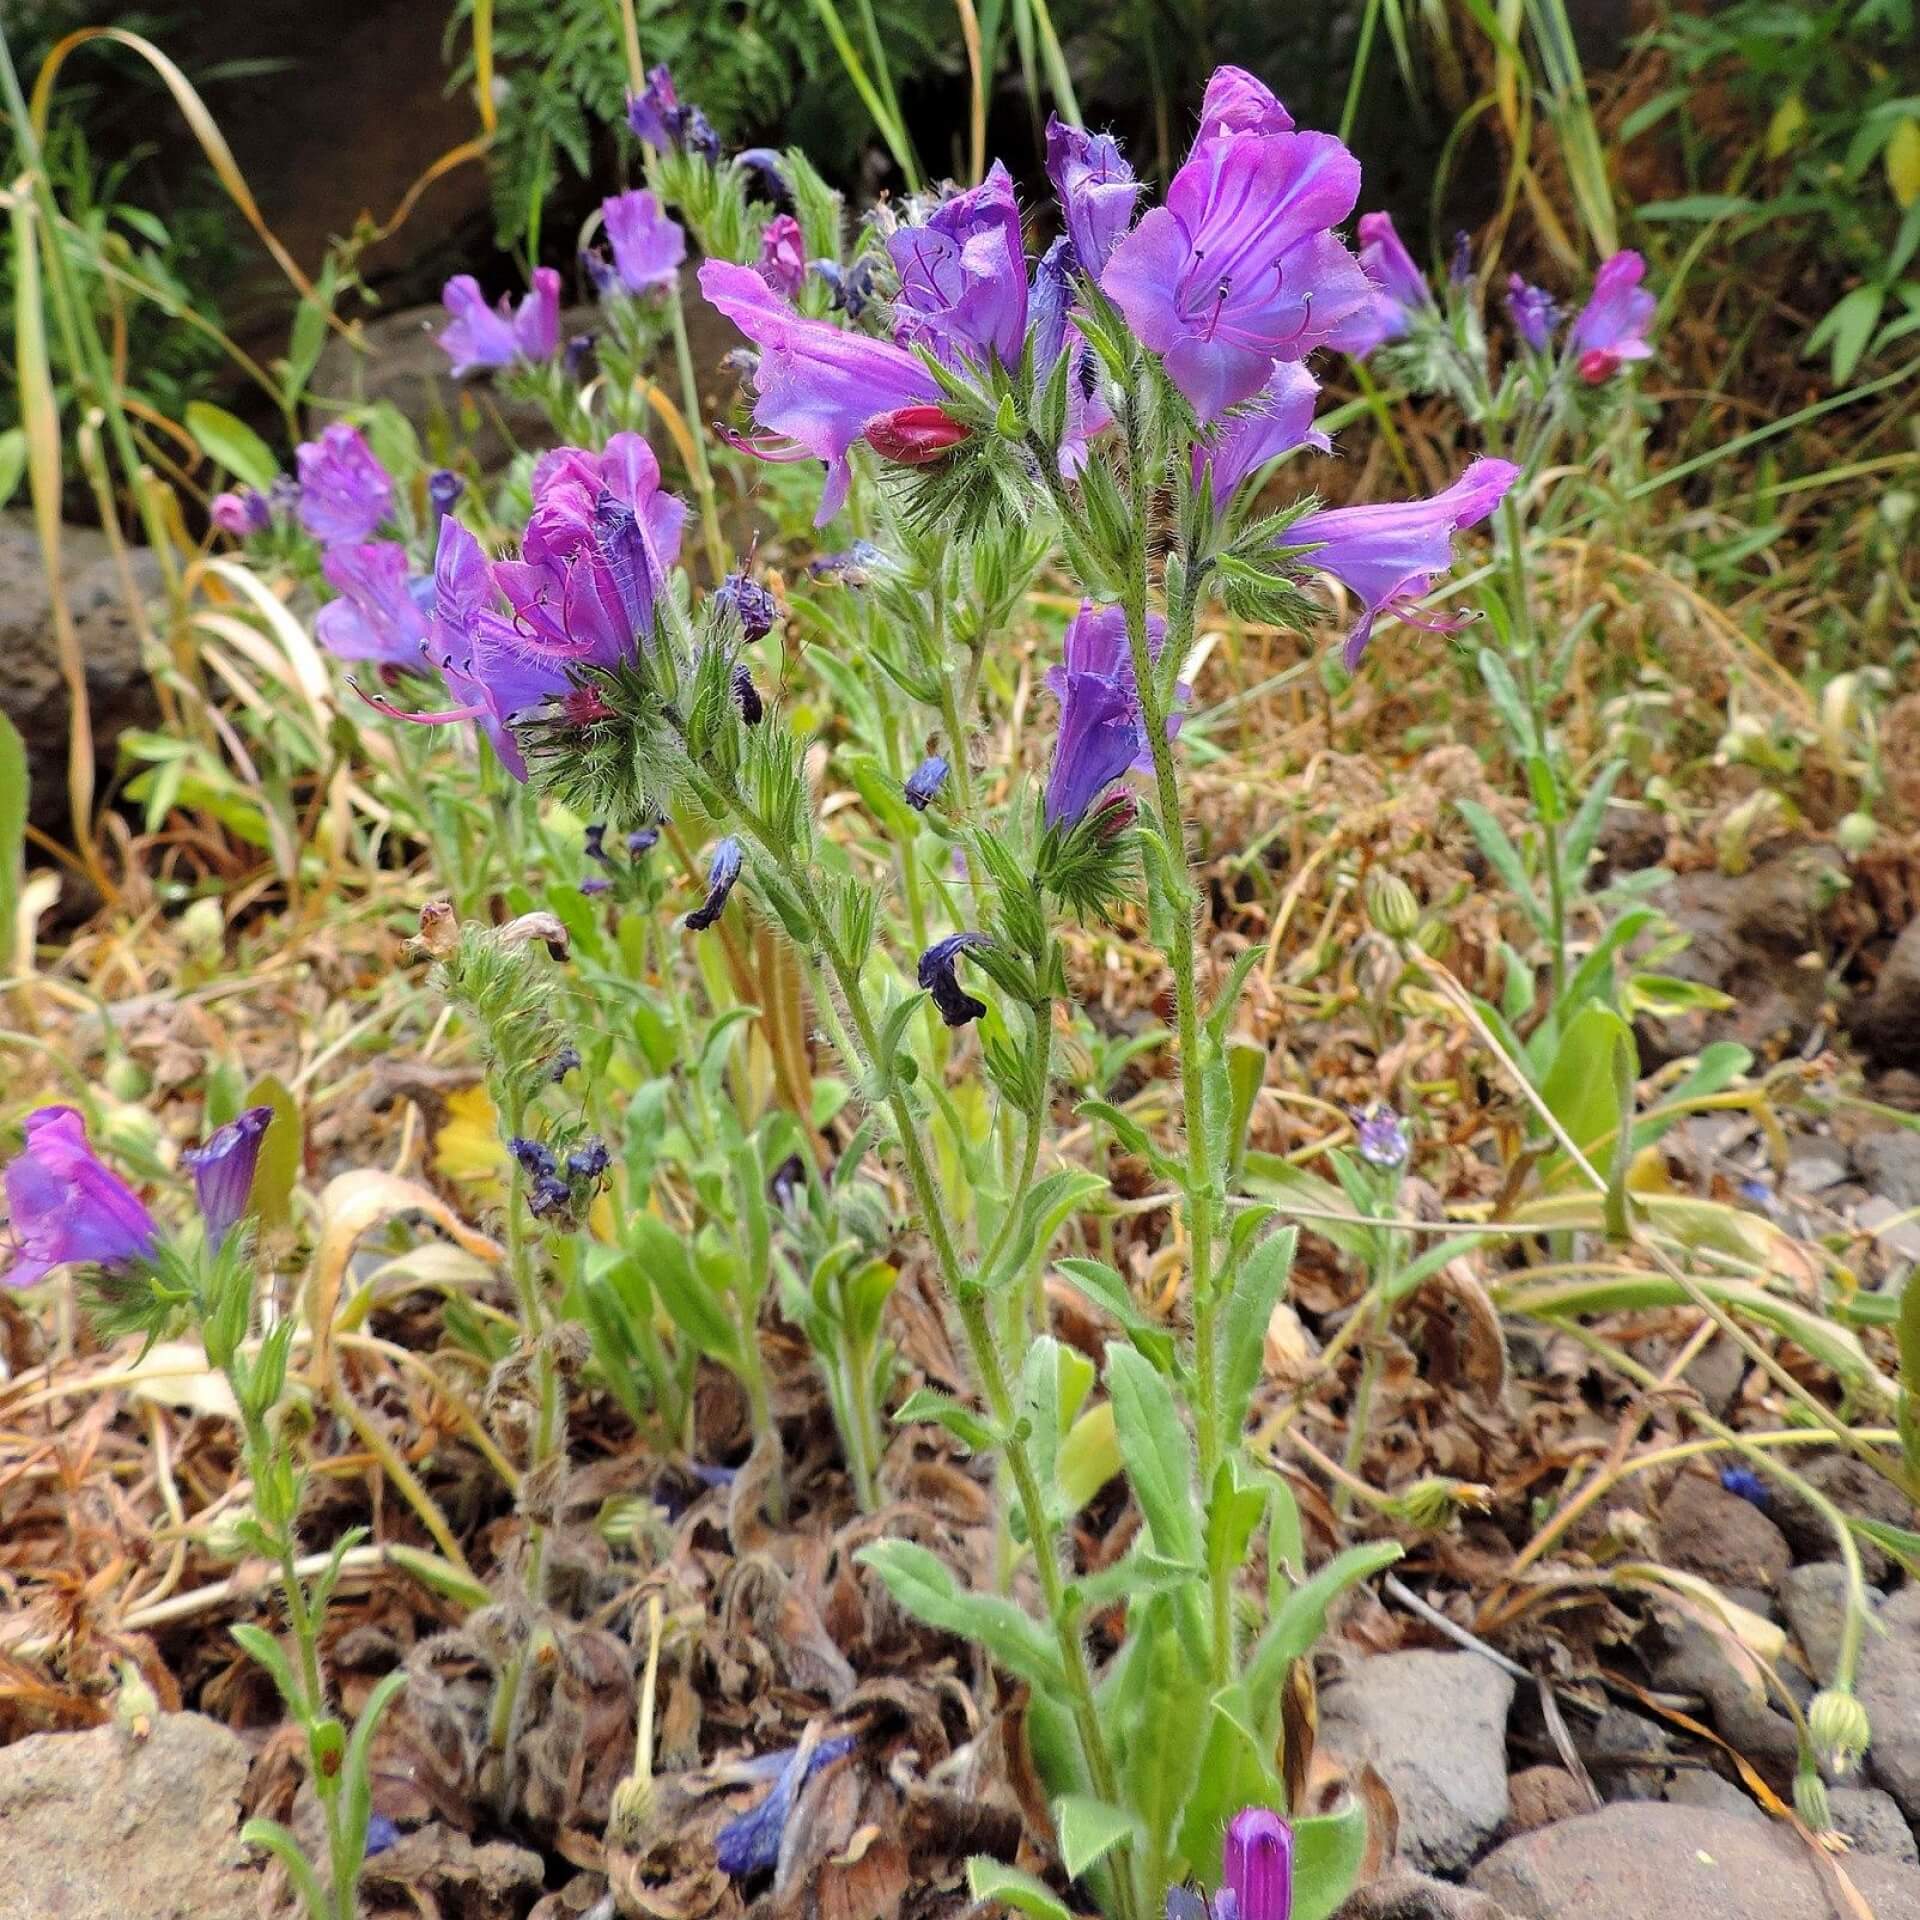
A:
(925, 781)
(531, 1154)
(749, 603)
(764, 164)
(566, 1061)
(1746, 1483)
(548, 1194)
(596, 884)
(596, 848)
(938, 976)
(589, 1160)
(444, 490)
(746, 696)
(642, 840)
(721, 874)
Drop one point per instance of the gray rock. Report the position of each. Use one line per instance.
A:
(1620, 1735)
(1856, 1490)
(1814, 1599)
(1891, 1225)
(1412, 1896)
(1888, 1026)
(1872, 1820)
(1704, 1529)
(1815, 1172)
(1890, 1164)
(33, 693)
(1889, 1689)
(1435, 1726)
(1696, 1662)
(1651, 1862)
(1706, 1791)
(102, 1823)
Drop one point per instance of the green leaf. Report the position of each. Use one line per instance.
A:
(439, 1576)
(1153, 1442)
(968, 1427)
(1302, 1618)
(1907, 1335)
(280, 1842)
(282, 1151)
(1328, 1849)
(1582, 1086)
(356, 1776)
(1243, 1327)
(265, 1651)
(13, 461)
(14, 779)
(1848, 327)
(1088, 1830)
(668, 1267)
(1504, 858)
(232, 443)
(990, 1880)
(925, 1586)
(1047, 1207)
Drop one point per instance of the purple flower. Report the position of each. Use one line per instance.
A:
(66, 1207)
(749, 603)
(1533, 311)
(1236, 102)
(344, 491)
(1381, 1136)
(1389, 554)
(751, 1843)
(817, 387)
(223, 1168)
(1257, 1864)
(923, 784)
(642, 840)
(783, 255)
(1101, 735)
(722, 871)
(1096, 189)
(1399, 289)
(1747, 1484)
(1460, 260)
(647, 246)
(1240, 267)
(937, 974)
(1280, 419)
(239, 514)
(746, 696)
(594, 843)
(444, 488)
(483, 336)
(963, 276)
(1048, 300)
(596, 883)
(766, 166)
(697, 136)
(655, 114)
(1612, 327)
(378, 616)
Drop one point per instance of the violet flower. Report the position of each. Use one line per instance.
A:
(751, 1843)
(1389, 554)
(655, 113)
(379, 616)
(240, 514)
(1460, 260)
(1240, 267)
(963, 277)
(922, 786)
(67, 1207)
(648, 247)
(852, 287)
(1101, 734)
(937, 974)
(223, 1166)
(345, 492)
(783, 255)
(1400, 290)
(444, 488)
(1257, 1864)
(642, 841)
(1533, 311)
(1612, 327)
(766, 167)
(817, 387)
(1235, 102)
(749, 603)
(1096, 189)
(1280, 419)
(1381, 1136)
(482, 336)
(1048, 301)
(722, 871)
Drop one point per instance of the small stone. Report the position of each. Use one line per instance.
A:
(1889, 1689)
(1705, 1790)
(1814, 1599)
(103, 1822)
(1888, 1026)
(1892, 1226)
(1435, 1727)
(1858, 1492)
(1412, 1896)
(1872, 1820)
(1620, 1735)
(1716, 1374)
(1815, 1172)
(1538, 1796)
(1713, 1533)
(1890, 1164)
(1642, 1862)
(1696, 1662)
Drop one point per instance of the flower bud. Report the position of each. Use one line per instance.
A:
(1391, 905)
(914, 436)
(1856, 833)
(1838, 1726)
(135, 1704)
(1810, 1800)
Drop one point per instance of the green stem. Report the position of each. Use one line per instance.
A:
(702, 475)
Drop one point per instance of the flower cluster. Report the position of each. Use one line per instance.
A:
(480, 337)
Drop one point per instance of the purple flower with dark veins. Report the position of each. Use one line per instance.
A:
(223, 1166)
(963, 277)
(1257, 1864)
(1241, 267)
(345, 492)
(817, 387)
(1389, 554)
(722, 871)
(1096, 190)
(1533, 311)
(1235, 102)
(1612, 327)
(648, 247)
(923, 784)
(783, 255)
(1101, 734)
(939, 976)
(379, 615)
(66, 1207)
(1279, 420)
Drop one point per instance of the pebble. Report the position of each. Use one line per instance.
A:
(1814, 1599)
(1706, 1530)
(1889, 1689)
(1872, 1820)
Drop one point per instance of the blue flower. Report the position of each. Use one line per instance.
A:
(751, 1844)
(1747, 1484)
(923, 784)
(938, 976)
(223, 1169)
(722, 872)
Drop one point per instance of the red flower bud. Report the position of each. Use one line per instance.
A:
(914, 436)
(1115, 817)
(1598, 365)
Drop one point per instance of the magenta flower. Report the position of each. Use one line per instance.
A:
(963, 276)
(817, 387)
(1101, 732)
(483, 336)
(1399, 289)
(380, 615)
(1533, 311)
(1612, 327)
(1240, 267)
(1389, 554)
(1257, 1864)
(66, 1207)
(783, 255)
(1280, 419)
(1236, 102)
(239, 514)
(223, 1167)
(1096, 189)
(648, 247)
(344, 491)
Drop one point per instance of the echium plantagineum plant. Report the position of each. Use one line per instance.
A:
(977, 412)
